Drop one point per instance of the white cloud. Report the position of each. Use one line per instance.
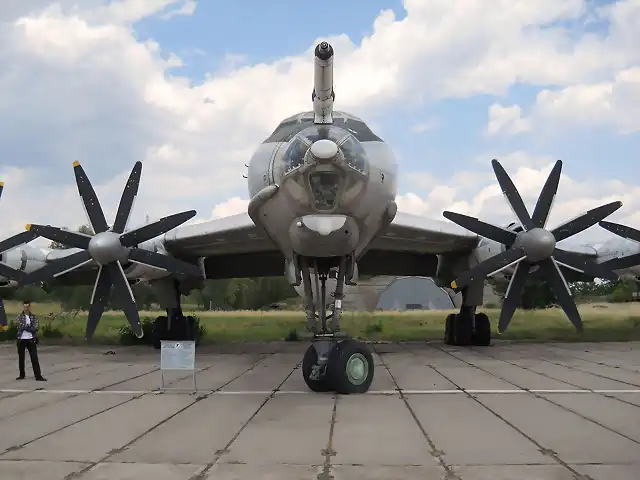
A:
(229, 207)
(484, 199)
(77, 83)
(424, 126)
(506, 120)
(608, 96)
(187, 8)
(615, 103)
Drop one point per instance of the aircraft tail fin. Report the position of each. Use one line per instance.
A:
(323, 95)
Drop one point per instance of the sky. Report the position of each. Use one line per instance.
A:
(191, 87)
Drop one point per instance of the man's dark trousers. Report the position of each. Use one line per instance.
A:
(33, 353)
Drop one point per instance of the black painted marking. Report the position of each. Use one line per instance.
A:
(329, 452)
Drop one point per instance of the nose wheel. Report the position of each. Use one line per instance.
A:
(333, 362)
(349, 368)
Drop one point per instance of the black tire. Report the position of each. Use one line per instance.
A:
(192, 328)
(339, 358)
(308, 361)
(160, 331)
(462, 330)
(448, 329)
(482, 333)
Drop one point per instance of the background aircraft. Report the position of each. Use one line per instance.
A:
(322, 189)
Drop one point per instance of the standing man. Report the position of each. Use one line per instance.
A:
(28, 327)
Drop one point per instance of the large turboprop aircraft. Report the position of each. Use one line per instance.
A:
(322, 189)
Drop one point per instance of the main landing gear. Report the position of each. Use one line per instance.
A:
(468, 327)
(334, 361)
(175, 325)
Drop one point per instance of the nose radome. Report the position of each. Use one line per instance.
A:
(324, 149)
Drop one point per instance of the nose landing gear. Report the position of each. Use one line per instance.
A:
(333, 361)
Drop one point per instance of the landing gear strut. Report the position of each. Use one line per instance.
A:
(468, 327)
(175, 325)
(334, 361)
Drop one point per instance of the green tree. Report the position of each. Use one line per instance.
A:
(536, 293)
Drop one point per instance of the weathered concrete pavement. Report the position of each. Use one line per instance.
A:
(554, 411)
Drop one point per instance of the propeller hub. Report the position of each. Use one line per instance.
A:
(106, 248)
(536, 243)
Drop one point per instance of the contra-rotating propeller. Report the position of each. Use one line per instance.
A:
(6, 271)
(110, 247)
(533, 246)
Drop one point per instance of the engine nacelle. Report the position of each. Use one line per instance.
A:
(136, 271)
(24, 258)
(451, 266)
(331, 285)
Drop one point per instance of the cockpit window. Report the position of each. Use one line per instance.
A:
(354, 154)
(294, 155)
(290, 126)
(320, 132)
(324, 187)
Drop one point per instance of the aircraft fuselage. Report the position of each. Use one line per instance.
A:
(329, 202)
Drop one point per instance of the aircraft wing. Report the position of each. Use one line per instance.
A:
(419, 234)
(235, 247)
(411, 244)
(232, 247)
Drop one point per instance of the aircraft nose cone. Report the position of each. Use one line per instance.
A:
(324, 150)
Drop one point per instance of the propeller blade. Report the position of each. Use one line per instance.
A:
(124, 296)
(588, 219)
(547, 196)
(506, 237)
(622, 263)
(155, 229)
(581, 264)
(19, 239)
(621, 230)
(513, 295)
(488, 267)
(99, 299)
(58, 267)
(561, 291)
(90, 200)
(513, 197)
(3, 312)
(128, 197)
(164, 262)
(1, 188)
(65, 237)
(11, 273)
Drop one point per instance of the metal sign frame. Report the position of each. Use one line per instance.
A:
(177, 356)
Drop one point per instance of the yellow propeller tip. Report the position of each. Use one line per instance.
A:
(454, 284)
(27, 227)
(1, 184)
(76, 163)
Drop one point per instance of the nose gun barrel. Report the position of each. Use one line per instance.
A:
(323, 95)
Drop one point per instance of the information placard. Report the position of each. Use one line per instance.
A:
(178, 355)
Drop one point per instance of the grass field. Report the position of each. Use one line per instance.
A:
(602, 322)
